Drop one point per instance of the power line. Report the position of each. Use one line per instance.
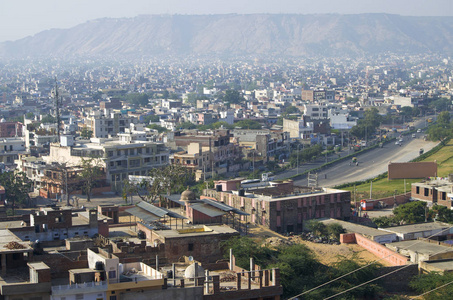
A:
(363, 267)
(439, 287)
(382, 276)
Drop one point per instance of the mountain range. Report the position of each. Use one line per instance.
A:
(241, 34)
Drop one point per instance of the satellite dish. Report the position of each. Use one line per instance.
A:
(190, 258)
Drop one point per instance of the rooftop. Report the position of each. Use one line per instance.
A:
(419, 227)
(420, 246)
(196, 231)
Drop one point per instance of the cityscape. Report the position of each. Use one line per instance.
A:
(191, 157)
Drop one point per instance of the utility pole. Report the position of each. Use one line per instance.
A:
(298, 159)
(57, 109)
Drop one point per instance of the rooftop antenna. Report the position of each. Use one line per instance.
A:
(57, 109)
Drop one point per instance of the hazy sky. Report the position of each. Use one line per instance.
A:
(21, 18)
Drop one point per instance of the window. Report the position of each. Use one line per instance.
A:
(190, 248)
(112, 274)
(417, 190)
(426, 193)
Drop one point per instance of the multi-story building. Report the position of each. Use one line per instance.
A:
(283, 207)
(10, 149)
(120, 158)
(10, 129)
(298, 129)
(266, 143)
(107, 124)
(224, 155)
(316, 95)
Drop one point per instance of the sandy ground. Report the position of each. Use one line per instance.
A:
(326, 254)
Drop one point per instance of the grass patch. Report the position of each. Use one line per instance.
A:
(385, 188)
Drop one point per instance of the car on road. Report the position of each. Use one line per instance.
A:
(398, 143)
(414, 135)
(419, 130)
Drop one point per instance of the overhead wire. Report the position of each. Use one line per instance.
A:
(363, 267)
(379, 277)
(439, 287)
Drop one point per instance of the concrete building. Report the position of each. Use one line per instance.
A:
(119, 158)
(434, 230)
(10, 149)
(422, 250)
(266, 143)
(317, 95)
(49, 225)
(224, 155)
(298, 129)
(283, 207)
(105, 124)
(10, 129)
(434, 191)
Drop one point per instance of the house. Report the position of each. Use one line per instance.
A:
(283, 207)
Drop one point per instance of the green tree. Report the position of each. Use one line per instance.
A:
(187, 125)
(442, 214)
(172, 178)
(347, 265)
(29, 115)
(89, 175)
(429, 282)
(17, 186)
(159, 128)
(47, 119)
(86, 133)
(439, 133)
(140, 99)
(233, 97)
(317, 227)
(410, 213)
(245, 248)
(299, 269)
(151, 118)
(443, 119)
(248, 124)
(334, 230)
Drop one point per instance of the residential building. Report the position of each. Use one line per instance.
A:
(283, 207)
(120, 158)
(10, 129)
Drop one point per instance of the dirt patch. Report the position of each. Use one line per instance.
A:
(327, 254)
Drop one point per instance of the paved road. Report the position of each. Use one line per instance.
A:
(371, 163)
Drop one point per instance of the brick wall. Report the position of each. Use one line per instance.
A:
(412, 170)
(400, 199)
(377, 249)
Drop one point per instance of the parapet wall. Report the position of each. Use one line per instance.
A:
(377, 249)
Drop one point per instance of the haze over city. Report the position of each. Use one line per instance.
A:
(19, 19)
(205, 150)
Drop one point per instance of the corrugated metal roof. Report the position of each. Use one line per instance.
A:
(217, 204)
(224, 207)
(152, 209)
(142, 214)
(208, 210)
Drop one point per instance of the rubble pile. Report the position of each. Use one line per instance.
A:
(311, 237)
(14, 245)
(227, 277)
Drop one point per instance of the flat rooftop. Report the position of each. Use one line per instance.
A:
(7, 237)
(418, 228)
(357, 228)
(444, 265)
(196, 231)
(420, 246)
